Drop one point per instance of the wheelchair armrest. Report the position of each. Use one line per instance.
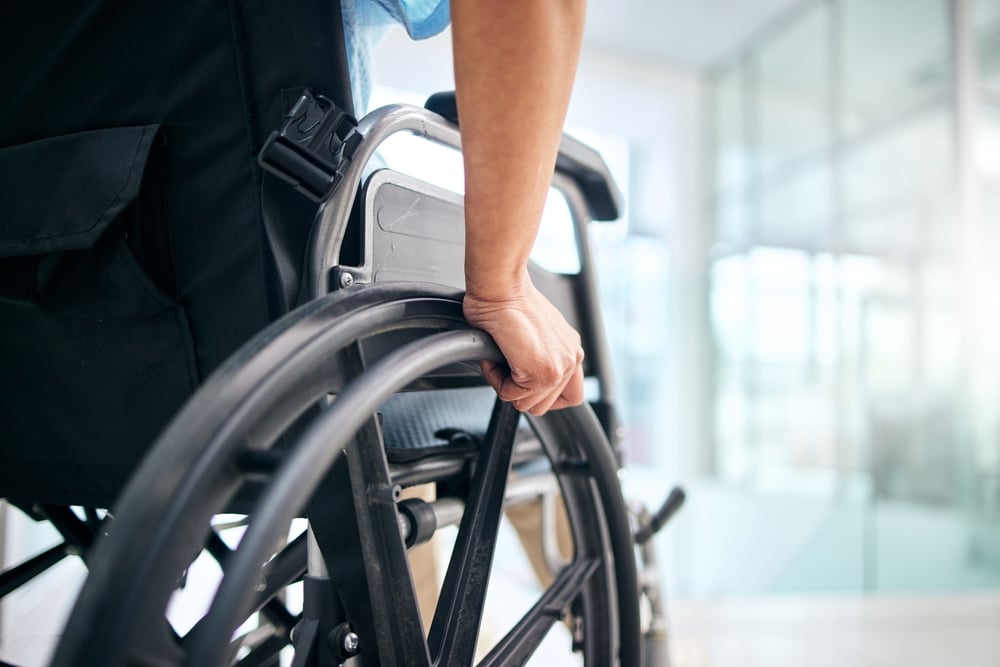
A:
(576, 159)
(578, 165)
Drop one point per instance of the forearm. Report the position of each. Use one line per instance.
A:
(515, 61)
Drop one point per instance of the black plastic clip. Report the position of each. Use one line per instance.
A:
(311, 150)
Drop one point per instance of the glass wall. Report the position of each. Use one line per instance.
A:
(854, 323)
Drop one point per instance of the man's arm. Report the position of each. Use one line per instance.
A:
(514, 66)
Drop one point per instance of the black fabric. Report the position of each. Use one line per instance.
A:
(417, 423)
(135, 251)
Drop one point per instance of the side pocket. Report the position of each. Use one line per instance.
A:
(94, 357)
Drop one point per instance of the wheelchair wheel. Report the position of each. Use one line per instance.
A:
(255, 439)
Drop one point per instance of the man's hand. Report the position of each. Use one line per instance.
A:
(514, 67)
(543, 351)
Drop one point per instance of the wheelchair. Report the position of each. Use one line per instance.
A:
(364, 383)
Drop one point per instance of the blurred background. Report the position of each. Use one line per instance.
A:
(803, 297)
(803, 301)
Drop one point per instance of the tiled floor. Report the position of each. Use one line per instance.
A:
(803, 631)
(879, 631)
(33, 615)
(901, 631)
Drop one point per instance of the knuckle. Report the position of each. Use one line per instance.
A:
(509, 395)
(544, 373)
(549, 375)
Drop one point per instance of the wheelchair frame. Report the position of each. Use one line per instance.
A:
(362, 338)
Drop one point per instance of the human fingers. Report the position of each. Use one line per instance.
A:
(536, 393)
(542, 351)
(507, 389)
(498, 375)
(544, 402)
(568, 393)
(521, 396)
(572, 394)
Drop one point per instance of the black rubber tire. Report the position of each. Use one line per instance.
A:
(197, 467)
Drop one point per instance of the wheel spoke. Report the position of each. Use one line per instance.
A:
(284, 569)
(265, 653)
(157, 646)
(28, 570)
(70, 526)
(265, 388)
(279, 616)
(518, 645)
(453, 634)
(217, 548)
(311, 459)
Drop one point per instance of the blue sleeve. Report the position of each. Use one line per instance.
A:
(421, 18)
(367, 21)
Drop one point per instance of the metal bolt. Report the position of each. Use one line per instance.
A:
(351, 642)
(346, 279)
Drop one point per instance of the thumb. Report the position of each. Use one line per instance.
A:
(495, 374)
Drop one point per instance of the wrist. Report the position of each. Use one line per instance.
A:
(497, 286)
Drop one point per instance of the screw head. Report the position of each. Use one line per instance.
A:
(351, 642)
(346, 279)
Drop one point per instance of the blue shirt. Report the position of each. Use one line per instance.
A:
(366, 22)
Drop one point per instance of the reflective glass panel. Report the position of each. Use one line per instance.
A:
(730, 148)
(793, 91)
(895, 56)
(898, 187)
(987, 25)
(796, 204)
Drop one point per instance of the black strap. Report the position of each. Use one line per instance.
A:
(284, 49)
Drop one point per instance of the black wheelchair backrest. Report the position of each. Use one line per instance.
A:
(136, 252)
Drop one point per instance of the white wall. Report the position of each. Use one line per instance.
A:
(658, 109)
